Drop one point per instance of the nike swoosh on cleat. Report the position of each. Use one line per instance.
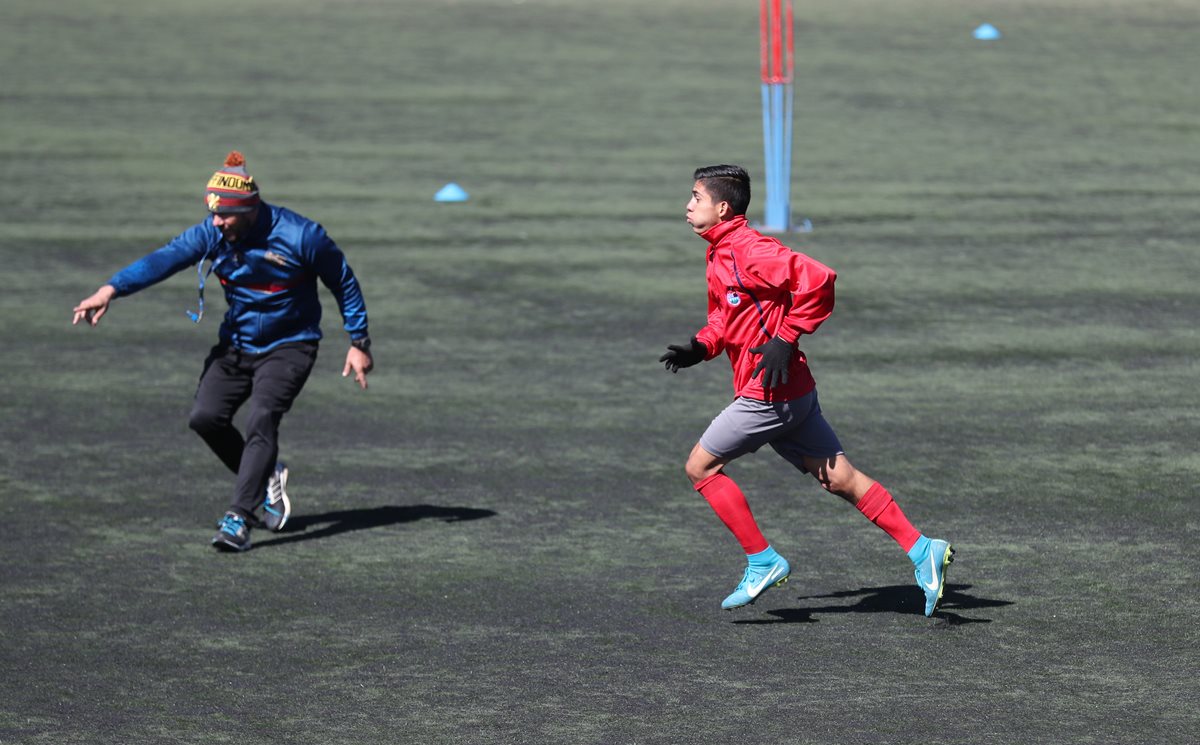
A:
(931, 586)
(772, 576)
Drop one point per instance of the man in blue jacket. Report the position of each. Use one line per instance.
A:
(268, 260)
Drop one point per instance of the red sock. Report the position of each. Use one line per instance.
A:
(730, 504)
(879, 507)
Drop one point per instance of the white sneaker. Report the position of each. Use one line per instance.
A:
(276, 507)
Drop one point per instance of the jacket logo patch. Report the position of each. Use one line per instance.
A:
(275, 258)
(733, 298)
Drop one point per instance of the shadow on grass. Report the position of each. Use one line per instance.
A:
(345, 521)
(902, 599)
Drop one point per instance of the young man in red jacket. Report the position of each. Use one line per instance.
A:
(762, 297)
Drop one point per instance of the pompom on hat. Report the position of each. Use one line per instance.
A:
(231, 189)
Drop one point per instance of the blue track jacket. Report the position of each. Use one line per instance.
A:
(269, 277)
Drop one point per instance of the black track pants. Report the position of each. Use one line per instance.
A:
(270, 383)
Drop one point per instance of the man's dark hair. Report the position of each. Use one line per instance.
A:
(726, 184)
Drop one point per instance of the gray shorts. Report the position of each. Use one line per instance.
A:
(795, 429)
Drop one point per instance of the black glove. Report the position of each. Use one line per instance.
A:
(776, 356)
(678, 356)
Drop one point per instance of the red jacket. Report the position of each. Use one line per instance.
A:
(759, 288)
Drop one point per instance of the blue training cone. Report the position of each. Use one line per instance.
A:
(451, 192)
(987, 32)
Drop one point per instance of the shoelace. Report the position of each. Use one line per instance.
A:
(232, 525)
(749, 576)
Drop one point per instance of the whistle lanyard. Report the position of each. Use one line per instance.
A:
(203, 275)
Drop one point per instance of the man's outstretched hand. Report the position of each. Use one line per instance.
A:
(92, 309)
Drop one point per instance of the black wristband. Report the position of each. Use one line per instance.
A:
(362, 345)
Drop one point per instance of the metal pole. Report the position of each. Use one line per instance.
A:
(777, 65)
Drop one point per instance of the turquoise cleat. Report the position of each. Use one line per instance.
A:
(757, 580)
(931, 558)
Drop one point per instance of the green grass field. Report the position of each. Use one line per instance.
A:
(496, 543)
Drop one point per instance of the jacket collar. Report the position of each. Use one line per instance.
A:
(714, 234)
(262, 225)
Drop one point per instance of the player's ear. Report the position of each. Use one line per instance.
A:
(724, 211)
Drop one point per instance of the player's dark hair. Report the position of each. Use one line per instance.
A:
(726, 184)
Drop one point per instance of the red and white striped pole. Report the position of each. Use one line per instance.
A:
(778, 66)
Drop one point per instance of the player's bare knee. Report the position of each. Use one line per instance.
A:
(698, 470)
(836, 484)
